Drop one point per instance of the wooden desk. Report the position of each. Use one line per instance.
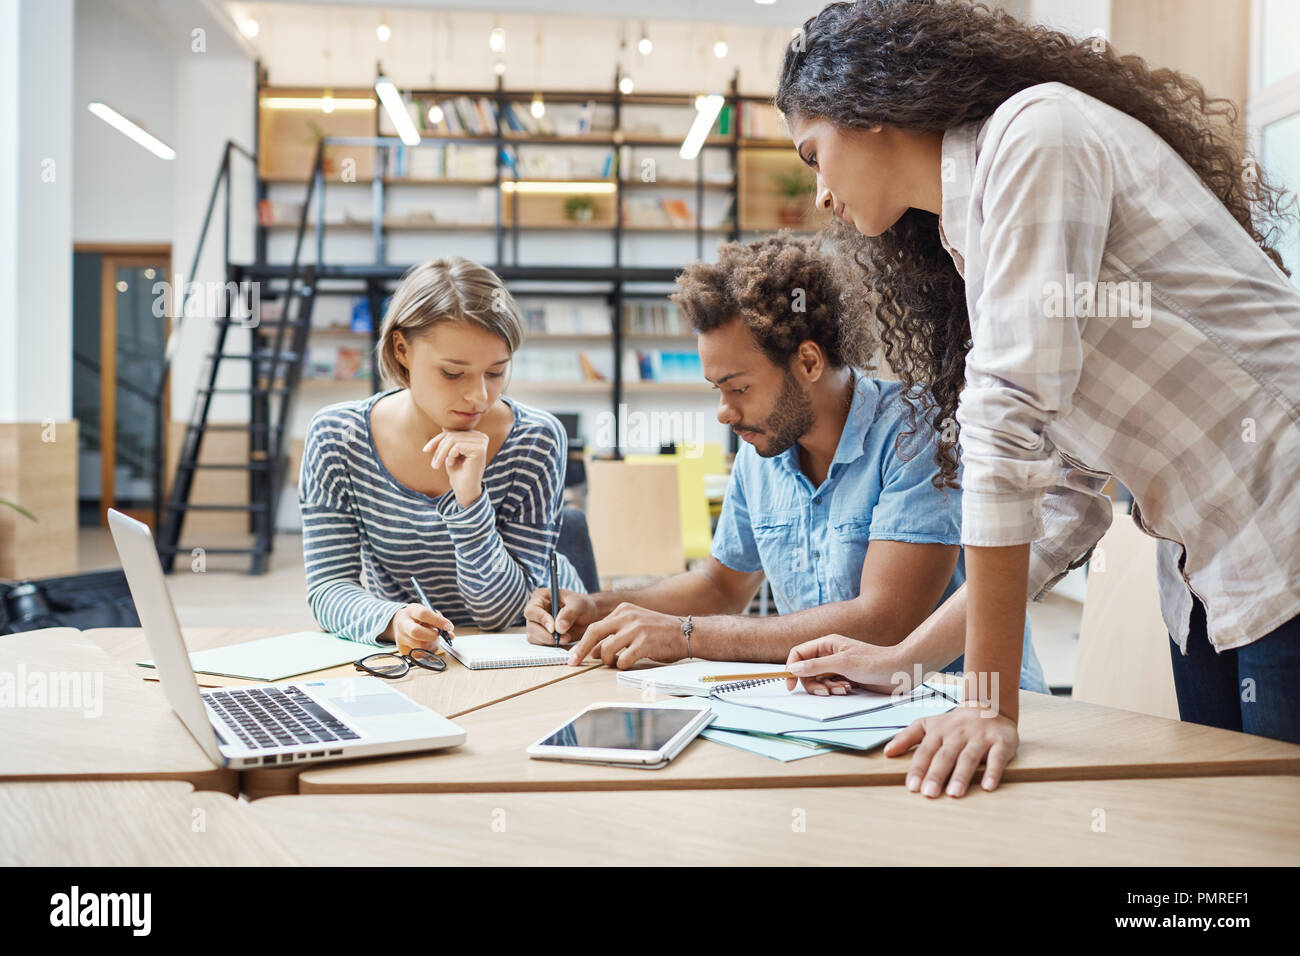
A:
(1060, 740)
(114, 731)
(1214, 821)
(130, 823)
(453, 692)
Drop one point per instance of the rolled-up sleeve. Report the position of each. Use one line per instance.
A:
(1075, 515)
(1045, 210)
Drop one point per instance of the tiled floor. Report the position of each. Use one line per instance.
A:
(278, 598)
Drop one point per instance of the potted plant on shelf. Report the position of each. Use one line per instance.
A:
(579, 208)
(794, 186)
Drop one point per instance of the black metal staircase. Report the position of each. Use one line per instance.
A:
(274, 355)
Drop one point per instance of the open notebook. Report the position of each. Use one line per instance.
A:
(770, 694)
(482, 651)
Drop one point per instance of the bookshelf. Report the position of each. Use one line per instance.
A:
(597, 180)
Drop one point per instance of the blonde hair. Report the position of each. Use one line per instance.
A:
(451, 289)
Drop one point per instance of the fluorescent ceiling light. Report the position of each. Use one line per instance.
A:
(395, 106)
(538, 186)
(708, 108)
(123, 125)
(318, 102)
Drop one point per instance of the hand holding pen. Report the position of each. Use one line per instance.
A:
(424, 599)
(555, 596)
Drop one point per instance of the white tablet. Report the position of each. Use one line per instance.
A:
(631, 735)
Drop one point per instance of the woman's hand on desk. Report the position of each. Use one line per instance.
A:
(414, 625)
(951, 747)
(832, 664)
(464, 456)
(577, 610)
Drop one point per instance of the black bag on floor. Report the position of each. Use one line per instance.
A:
(97, 599)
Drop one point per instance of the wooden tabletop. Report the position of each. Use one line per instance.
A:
(1235, 821)
(1060, 739)
(130, 823)
(80, 715)
(453, 692)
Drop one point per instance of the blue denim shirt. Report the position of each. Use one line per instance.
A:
(810, 542)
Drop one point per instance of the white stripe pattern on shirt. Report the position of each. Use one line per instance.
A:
(365, 534)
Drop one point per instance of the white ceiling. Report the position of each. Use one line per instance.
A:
(781, 13)
(561, 44)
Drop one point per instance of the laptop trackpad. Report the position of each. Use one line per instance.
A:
(375, 705)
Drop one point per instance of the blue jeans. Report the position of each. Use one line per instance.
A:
(1031, 671)
(1212, 686)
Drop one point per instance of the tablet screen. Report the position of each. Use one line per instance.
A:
(622, 728)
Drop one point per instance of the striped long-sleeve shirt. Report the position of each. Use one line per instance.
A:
(477, 564)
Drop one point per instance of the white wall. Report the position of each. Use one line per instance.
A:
(123, 191)
(36, 175)
(9, 72)
(215, 97)
(1077, 17)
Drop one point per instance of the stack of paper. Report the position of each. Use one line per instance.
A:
(762, 717)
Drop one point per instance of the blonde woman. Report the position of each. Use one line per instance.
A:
(441, 477)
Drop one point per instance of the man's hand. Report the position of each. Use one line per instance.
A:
(831, 664)
(630, 634)
(953, 745)
(463, 454)
(577, 611)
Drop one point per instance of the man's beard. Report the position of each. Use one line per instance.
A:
(790, 420)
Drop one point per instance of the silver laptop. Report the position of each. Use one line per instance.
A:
(273, 724)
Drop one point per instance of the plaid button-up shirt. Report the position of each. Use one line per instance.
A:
(1123, 324)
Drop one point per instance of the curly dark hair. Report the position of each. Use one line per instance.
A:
(786, 289)
(930, 65)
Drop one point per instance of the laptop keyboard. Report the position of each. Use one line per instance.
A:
(277, 717)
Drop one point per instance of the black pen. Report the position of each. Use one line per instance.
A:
(555, 598)
(424, 599)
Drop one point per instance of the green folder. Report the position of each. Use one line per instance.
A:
(279, 657)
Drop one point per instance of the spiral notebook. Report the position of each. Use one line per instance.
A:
(483, 651)
(770, 694)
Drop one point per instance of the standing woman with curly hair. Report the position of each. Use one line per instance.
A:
(1071, 251)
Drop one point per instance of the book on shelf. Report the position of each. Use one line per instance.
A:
(662, 365)
(760, 121)
(654, 318)
(340, 363)
(589, 371)
(549, 164)
(668, 365)
(652, 164)
(270, 212)
(679, 214)
(532, 365)
(450, 161)
(461, 116)
(639, 210)
(560, 119)
(648, 211)
(348, 363)
(559, 317)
